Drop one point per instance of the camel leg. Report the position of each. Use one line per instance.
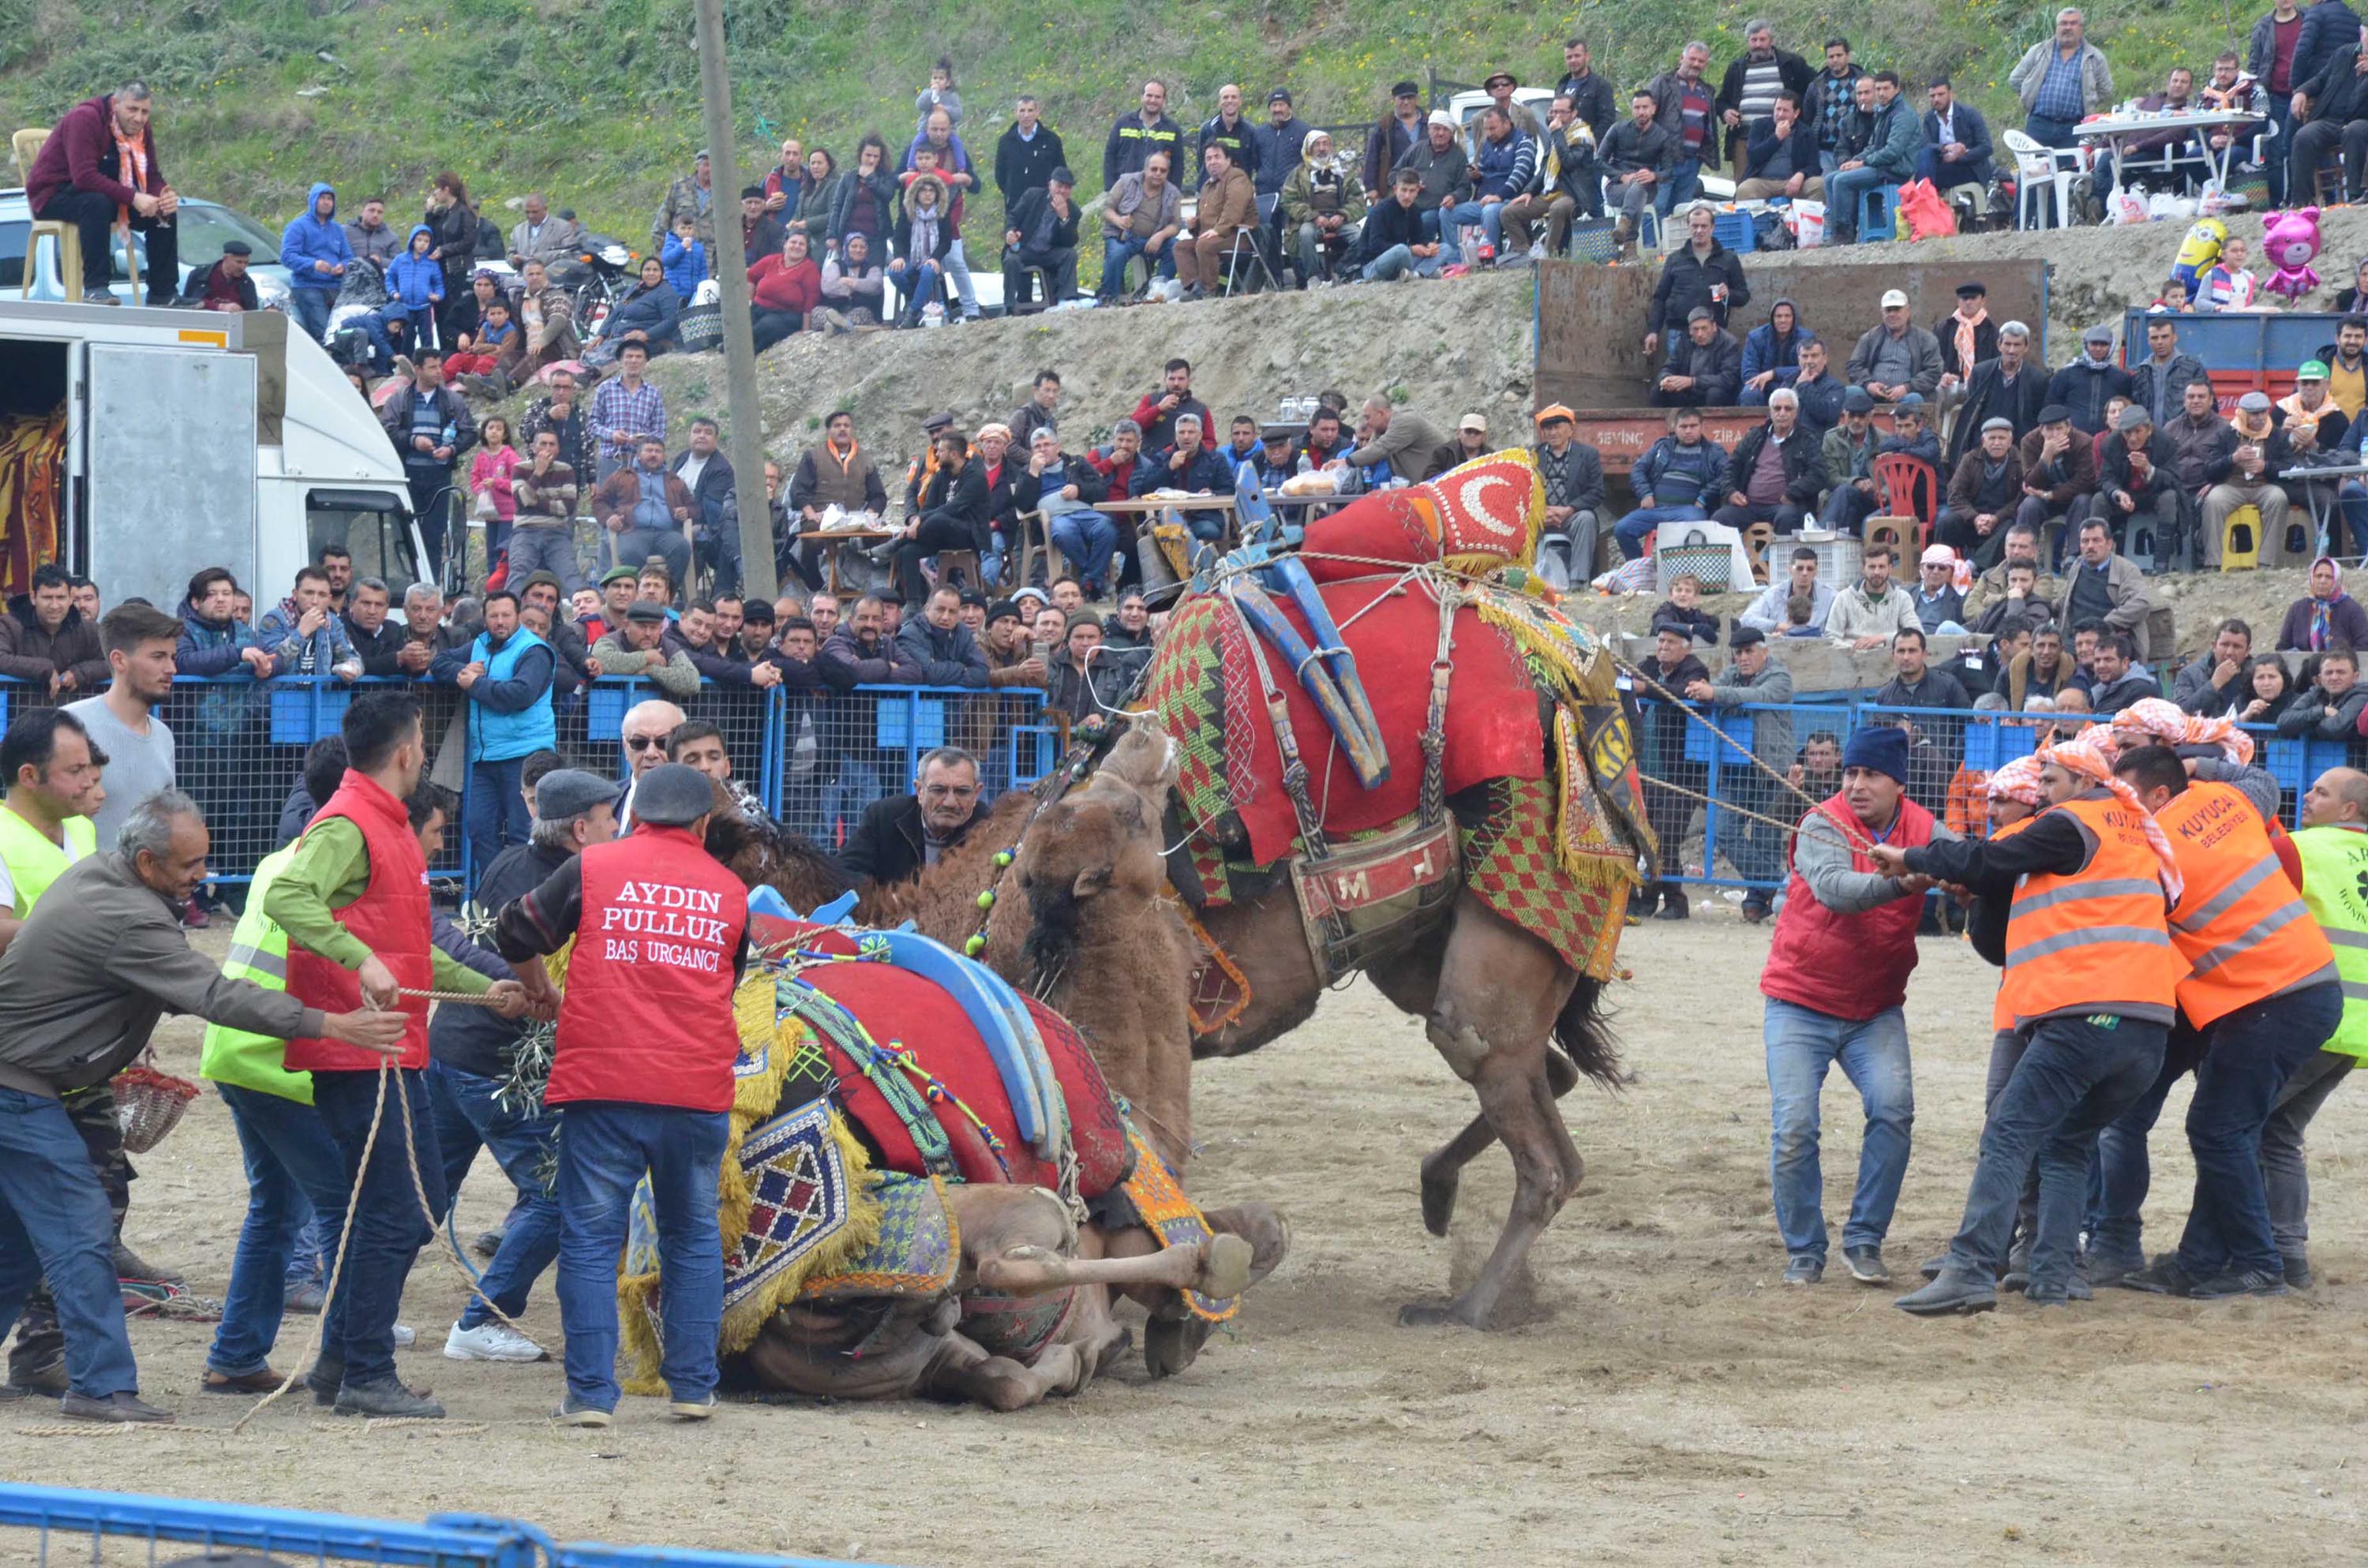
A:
(1219, 1268)
(1443, 1167)
(967, 1372)
(1500, 992)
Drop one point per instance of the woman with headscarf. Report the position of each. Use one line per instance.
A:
(2091, 979)
(1323, 207)
(2326, 616)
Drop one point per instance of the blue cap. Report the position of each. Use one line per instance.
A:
(1881, 748)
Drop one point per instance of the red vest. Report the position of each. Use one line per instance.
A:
(647, 1018)
(392, 918)
(1850, 966)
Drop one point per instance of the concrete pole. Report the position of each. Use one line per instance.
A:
(746, 448)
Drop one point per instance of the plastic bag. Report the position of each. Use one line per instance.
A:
(1925, 211)
(1808, 224)
(2129, 206)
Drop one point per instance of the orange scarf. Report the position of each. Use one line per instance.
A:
(1965, 335)
(133, 158)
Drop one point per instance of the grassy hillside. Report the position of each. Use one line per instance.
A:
(597, 102)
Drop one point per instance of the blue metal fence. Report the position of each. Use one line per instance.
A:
(79, 1521)
(1710, 844)
(815, 759)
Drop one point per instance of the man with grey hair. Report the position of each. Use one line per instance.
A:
(473, 1051)
(82, 987)
(1684, 102)
(1748, 94)
(541, 237)
(1776, 471)
(2249, 482)
(99, 161)
(644, 735)
(2008, 385)
(902, 834)
(2061, 81)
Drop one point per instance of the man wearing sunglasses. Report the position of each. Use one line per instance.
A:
(646, 727)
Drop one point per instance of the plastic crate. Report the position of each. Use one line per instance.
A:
(1837, 559)
(1595, 239)
(1703, 746)
(1736, 231)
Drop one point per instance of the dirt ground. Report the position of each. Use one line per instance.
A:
(1664, 1402)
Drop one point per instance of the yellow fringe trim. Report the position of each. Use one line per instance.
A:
(1615, 866)
(755, 1099)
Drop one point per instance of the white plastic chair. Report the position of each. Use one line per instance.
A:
(2038, 169)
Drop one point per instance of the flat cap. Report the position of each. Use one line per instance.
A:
(2136, 418)
(2000, 422)
(619, 574)
(1858, 400)
(646, 611)
(568, 792)
(671, 795)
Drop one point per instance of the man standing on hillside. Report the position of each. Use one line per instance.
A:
(1395, 136)
(1136, 136)
(98, 168)
(1028, 152)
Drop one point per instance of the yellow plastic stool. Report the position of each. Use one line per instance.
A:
(2232, 559)
(69, 239)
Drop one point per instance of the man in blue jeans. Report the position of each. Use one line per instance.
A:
(1508, 158)
(644, 1067)
(505, 674)
(1836, 984)
(82, 987)
(1142, 217)
(473, 1055)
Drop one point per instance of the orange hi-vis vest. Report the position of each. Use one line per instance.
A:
(2241, 926)
(2000, 1019)
(2095, 941)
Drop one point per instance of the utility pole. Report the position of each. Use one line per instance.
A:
(746, 446)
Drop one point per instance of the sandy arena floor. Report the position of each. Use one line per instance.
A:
(1665, 1402)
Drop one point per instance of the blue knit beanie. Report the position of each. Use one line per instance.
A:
(1881, 748)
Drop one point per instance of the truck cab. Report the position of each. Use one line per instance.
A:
(138, 446)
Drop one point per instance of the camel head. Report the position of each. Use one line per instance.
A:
(760, 852)
(1098, 848)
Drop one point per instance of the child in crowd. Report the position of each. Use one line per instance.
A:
(492, 470)
(2228, 285)
(684, 257)
(495, 334)
(1798, 610)
(416, 281)
(1683, 608)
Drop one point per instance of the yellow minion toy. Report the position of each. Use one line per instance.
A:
(2197, 252)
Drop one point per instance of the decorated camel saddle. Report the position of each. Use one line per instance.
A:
(1395, 710)
(929, 1187)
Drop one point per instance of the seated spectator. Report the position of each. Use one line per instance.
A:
(1940, 608)
(1224, 219)
(940, 646)
(1673, 477)
(1874, 610)
(2019, 545)
(1957, 147)
(2270, 692)
(646, 509)
(952, 515)
(1445, 172)
(1395, 240)
(784, 287)
(649, 314)
(761, 232)
(478, 366)
(45, 641)
(1822, 394)
(1894, 140)
(1322, 209)
(1777, 473)
(1849, 505)
(2005, 386)
(1005, 534)
(1191, 466)
(2329, 708)
(1142, 215)
(2017, 607)
(1781, 157)
(374, 636)
(925, 237)
(1684, 610)
(2217, 684)
(1771, 612)
(1573, 472)
(1470, 441)
(1042, 233)
(1798, 609)
(1065, 490)
(2326, 616)
(1984, 495)
(1506, 156)
(2229, 285)
(1704, 367)
(2243, 477)
(1915, 683)
(1771, 354)
(1393, 443)
(2138, 489)
(1639, 157)
(2309, 421)
(636, 649)
(854, 289)
(1569, 183)
(306, 636)
(2059, 471)
(2040, 675)
(225, 283)
(2115, 683)
(2084, 387)
(1084, 682)
(543, 533)
(900, 834)
(1896, 357)
(2106, 588)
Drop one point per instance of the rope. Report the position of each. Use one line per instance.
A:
(1795, 829)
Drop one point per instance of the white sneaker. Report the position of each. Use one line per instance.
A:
(404, 1337)
(491, 1341)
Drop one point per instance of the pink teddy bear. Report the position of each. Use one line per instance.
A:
(2290, 240)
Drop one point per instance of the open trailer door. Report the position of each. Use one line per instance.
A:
(171, 469)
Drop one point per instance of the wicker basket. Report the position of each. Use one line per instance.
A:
(148, 1105)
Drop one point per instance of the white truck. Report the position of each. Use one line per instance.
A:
(197, 438)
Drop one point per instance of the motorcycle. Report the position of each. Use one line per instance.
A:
(596, 277)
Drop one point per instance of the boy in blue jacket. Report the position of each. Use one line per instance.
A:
(416, 280)
(685, 259)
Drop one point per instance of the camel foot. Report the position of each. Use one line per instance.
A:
(1171, 1345)
(1439, 1179)
(1438, 1314)
(1225, 1266)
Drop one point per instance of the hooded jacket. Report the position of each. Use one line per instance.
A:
(1764, 351)
(416, 282)
(2085, 387)
(311, 238)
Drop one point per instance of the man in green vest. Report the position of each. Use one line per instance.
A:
(2333, 843)
(53, 782)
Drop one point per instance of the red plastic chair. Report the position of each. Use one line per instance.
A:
(1910, 488)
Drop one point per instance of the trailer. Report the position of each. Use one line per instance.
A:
(138, 446)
